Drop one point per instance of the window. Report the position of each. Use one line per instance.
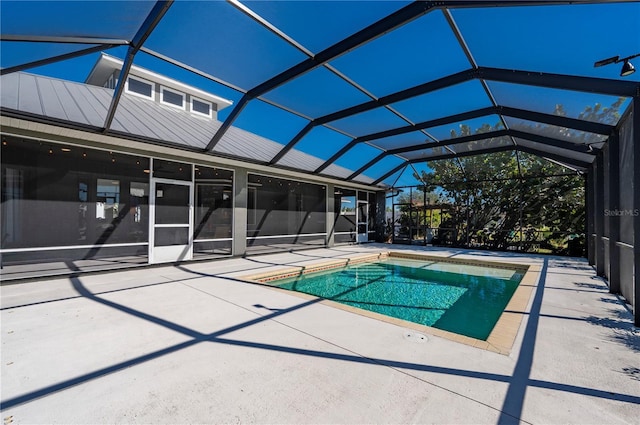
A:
(213, 215)
(97, 197)
(213, 204)
(344, 225)
(140, 87)
(139, 193)
(252, 202)
(200, 107)
(171, 98)
(110, 82)
(278, 206)
(107, 199)
(163, 169)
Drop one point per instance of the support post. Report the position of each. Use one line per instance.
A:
(381, 216)
(614, 219)
(590, 221)
(520, 192)
(240, 195)
(411, 215)
(636, 209)
(468, 223)
(330, 218)
(599, 215)
(393, 216)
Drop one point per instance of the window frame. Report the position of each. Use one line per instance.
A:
(198, 113)
(141, 80)
(110, 82)
(173, 105)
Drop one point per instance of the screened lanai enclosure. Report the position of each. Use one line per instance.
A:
(172, 131)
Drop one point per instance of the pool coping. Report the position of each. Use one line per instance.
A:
(501, 338)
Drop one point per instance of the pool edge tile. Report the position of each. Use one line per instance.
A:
(500, 340)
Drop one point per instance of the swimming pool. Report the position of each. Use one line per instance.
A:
(464, 299)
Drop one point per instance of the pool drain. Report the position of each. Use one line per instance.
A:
(415, 337)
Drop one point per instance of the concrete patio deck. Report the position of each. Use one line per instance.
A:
(194, 344)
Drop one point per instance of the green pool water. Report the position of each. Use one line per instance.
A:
(464, 299)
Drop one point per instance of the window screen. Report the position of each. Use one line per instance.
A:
(95, 198)
(285, 207)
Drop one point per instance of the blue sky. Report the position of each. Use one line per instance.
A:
(219, 39)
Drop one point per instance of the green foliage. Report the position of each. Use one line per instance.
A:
(494, 212)
(511, 200)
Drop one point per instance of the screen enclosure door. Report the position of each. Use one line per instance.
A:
(363, 221)
(171, 213)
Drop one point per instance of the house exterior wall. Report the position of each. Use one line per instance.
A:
(68, 195)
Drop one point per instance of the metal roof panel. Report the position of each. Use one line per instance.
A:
(28, 96)
(51, 104)
(94, 111)
(9, 90)
(71, 109)
(297, 159)
(238, 142)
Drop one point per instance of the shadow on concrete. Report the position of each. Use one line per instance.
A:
(632, 372)
(573, 289)
(621, 325)
(510, 412)
(514, 399)
(601, 286)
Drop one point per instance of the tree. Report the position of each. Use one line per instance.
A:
(504, 199)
